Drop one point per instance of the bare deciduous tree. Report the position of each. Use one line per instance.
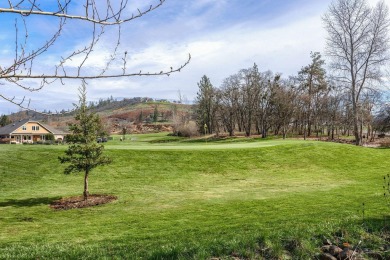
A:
(358, 44)
(283, 102)
(27, 59)
(229, 96)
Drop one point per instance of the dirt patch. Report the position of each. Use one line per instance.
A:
(79, 202)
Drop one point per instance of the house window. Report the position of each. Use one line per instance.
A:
(24, 127)
(35, 128)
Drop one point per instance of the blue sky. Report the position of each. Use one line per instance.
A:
(223, 36)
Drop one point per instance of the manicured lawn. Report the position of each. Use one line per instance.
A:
(180, 199)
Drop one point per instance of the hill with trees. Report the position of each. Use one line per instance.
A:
(136, 115)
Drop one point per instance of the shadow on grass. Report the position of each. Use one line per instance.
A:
(30, 202)
(381, 224)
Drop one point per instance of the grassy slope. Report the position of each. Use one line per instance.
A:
(181, 202)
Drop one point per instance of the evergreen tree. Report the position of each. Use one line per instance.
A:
(205, 105)
(314, 86)
(84, 153)
(155, 114)
(4, 120)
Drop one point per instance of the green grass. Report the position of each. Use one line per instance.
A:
(181, 200)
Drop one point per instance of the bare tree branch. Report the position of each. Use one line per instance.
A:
(28, 57)
(111, 17)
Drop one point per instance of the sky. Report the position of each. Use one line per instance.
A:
(222, 36)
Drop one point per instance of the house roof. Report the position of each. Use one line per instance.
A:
(53, 130)
(8, 129)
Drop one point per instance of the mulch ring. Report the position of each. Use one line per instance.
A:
(79, 202)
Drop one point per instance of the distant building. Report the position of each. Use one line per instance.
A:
(28, 131)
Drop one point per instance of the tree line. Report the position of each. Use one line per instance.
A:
(341, 100)
(310, 103)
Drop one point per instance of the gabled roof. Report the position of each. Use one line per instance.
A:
(53, 130)
(8, 129)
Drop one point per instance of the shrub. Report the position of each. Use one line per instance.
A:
(187, 130)
(5, 141)
(49, 137)
(385, 143)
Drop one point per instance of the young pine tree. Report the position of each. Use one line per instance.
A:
(84, 153)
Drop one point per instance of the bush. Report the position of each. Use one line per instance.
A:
(187, 130)
(49, 137)
(5, 141)
(385, 143)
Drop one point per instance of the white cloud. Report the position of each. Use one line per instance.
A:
(221, 42)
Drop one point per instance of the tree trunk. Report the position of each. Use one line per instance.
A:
(332, 132)
(356, 131)
(355, 112)
(86, 192)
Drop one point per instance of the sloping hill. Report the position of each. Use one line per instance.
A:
(134, 114)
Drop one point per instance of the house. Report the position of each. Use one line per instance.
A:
(28, 131)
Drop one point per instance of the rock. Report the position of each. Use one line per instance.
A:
(345, 254)
(325, 249)
(327, 242)
(335, 250)
(327, 256)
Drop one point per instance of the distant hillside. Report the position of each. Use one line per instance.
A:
(135, 114)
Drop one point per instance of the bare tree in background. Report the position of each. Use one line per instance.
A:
(357, 43)
(24, 66)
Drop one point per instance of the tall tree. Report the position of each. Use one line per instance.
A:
(84, 153)
(357, 43)
(205, 105)
(229, 97)
(250, 80)
(266, 85)
(313, 85)
(283, 98)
